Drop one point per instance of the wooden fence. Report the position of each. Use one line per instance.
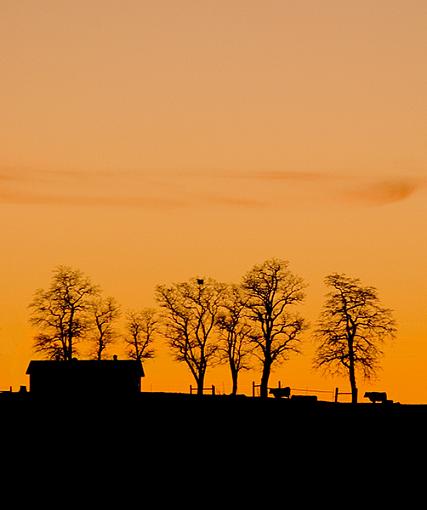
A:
(334, 394)
(194, 389)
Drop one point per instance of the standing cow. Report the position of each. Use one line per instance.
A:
(376, 396)
(281, 392)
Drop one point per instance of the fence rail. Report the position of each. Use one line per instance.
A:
(334, 394)
(338, 393)
(194, 389)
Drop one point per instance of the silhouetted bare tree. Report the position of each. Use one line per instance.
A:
(235, 346)
(104, 312)
(351, 329)
(271, 292)
(141, 328)
(61, 313)
(190, 313)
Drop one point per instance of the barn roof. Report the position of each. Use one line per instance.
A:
(100, 366)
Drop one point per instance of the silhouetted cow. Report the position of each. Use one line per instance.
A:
(281, 392)
(376, 396)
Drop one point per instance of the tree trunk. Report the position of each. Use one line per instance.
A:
(234, 375)
(200, 383)
(352, 376)
(69, 352)
(263, 387)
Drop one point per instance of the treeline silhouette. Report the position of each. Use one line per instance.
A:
(253, 323)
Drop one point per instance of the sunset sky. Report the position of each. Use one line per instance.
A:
(147, 142)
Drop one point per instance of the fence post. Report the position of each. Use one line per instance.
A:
(253, 388)
(213, 389)
(336, 394)
(280, 384)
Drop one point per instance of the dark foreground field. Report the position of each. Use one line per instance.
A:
(189, 442)
(168, 414)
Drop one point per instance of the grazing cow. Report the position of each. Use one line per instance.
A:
(281, 392)
(376, 396)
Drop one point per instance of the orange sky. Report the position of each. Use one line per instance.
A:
(147, 142)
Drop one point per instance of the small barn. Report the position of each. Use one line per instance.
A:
(101, 377)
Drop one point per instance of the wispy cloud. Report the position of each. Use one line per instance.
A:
(293, 176)
(385, 192)
(235, 201)
(352, 188)
(8, 174)
(189, 189)
(17, 197)
(128, 188)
